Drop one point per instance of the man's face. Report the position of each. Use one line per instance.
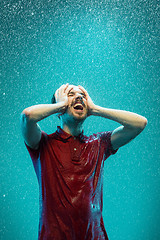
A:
(77, 103)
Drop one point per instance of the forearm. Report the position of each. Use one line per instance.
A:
(38, 112)
(127, 119)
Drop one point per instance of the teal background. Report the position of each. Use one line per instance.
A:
(109, 47)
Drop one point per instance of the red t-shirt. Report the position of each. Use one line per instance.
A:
(70, 175)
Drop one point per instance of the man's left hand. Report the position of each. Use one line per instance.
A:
(90, 104)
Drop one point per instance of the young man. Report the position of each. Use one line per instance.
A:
(69, 165)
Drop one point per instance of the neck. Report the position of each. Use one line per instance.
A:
(72, 129)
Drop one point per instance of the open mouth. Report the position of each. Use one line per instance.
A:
(78, 107)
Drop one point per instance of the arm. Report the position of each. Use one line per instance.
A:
(132, 123)
(30, 116)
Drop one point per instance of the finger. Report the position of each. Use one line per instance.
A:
(62, 89)
(83, 90)
(59, 91)
(66, 86)
(69, 89)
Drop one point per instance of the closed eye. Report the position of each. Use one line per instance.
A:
(70, 94)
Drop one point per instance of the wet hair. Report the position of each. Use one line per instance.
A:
(53, 100)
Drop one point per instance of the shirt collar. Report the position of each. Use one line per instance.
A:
(65, 136)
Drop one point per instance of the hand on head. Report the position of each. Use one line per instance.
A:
(90, 103)
(62, 95)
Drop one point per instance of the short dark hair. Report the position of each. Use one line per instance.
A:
(53, 100)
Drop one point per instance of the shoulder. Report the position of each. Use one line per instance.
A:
(100, 136)
(49, 136)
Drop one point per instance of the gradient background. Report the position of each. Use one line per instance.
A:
(109, 47)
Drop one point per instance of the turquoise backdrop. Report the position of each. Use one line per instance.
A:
(111, 48)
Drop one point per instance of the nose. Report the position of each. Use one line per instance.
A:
(78, 95)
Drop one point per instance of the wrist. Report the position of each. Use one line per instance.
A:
(95, 110)
(61, 106)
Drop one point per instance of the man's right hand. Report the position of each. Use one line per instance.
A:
(61, 94)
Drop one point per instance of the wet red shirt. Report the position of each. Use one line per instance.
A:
(70, 175)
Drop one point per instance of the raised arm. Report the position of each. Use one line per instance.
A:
(31, 115)
(132, 123)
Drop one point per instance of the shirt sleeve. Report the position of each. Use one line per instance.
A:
(106, 141)
(34, 153)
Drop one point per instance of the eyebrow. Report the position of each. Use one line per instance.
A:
(74, 92)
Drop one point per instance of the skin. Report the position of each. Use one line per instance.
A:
(72, 120)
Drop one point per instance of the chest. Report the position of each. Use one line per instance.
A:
(73, 156)
(74, 165)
